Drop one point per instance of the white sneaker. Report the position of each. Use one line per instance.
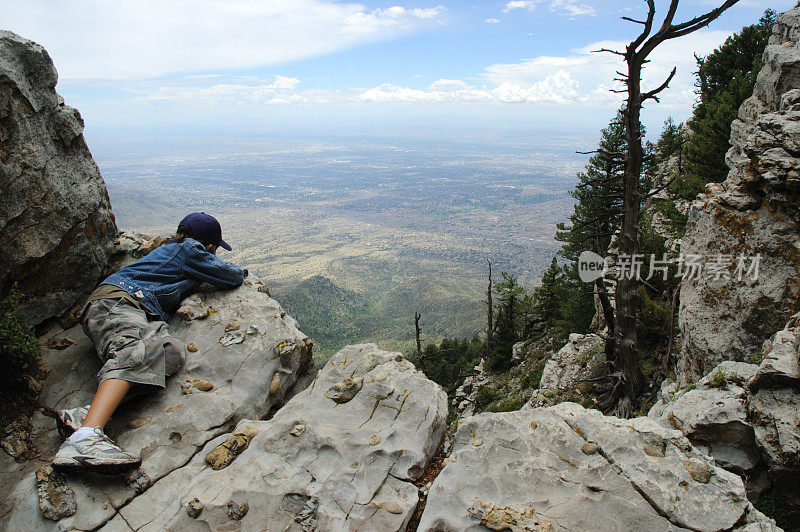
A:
(95, 453)
(68, 421)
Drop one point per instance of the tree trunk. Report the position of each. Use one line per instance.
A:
(608, 315)
(417, 329)
(420, 358)
(626, 357)
(489, 313)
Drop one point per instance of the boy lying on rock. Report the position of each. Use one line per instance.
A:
(125, 317)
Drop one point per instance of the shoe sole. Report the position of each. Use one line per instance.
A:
(88, 467)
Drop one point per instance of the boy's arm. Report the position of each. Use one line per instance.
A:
(204, 266)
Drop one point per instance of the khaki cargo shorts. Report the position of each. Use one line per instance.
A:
(131, 347)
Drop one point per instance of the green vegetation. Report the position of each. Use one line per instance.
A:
(564, 301)
(776, 509)
(717, 379)
(19, 347)
(599, 197)
(507, 332)
(486, 396)
(725, 78)
(449, 361)
(19, 361)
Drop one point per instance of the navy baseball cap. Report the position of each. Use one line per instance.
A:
(205, 229)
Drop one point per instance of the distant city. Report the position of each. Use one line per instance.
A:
(385, 227)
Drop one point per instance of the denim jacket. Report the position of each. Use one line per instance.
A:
(162, 278)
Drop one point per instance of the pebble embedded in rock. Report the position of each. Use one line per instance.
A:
(59, 343)
(138, 480)
(392, 507)
(232, 326)
(56, 498)
(237, 511)
(298, 430)
(653, 450)
(275, 384)
(191, 347)
(344, 391)
(232, 337)
(478, 442)
(534, 424)
(194, 507)
(225, 453)
(201, 384)
(374, 439)
(138, 422)
(590, 447)
(193, 309)
(699, 470)
(174, 408)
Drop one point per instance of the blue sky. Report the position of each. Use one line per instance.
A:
(167, 64)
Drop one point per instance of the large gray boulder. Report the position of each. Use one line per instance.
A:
(247, 350)
(340, 455)
(56, 225)
(577, 360)
(713, 416)
(753, 212)
(568, 468)
(773, 409)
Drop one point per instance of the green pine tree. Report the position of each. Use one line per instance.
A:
(507, 333)
(599, 196)
(726, 78)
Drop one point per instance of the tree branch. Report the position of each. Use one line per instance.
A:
(648, 26)
(608, 51)
(652, 93)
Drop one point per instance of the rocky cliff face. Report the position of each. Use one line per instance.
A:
(246, 355)
(746, 418)
(754, 212)
(56, 225)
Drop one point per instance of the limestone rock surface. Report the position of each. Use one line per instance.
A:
(781, 365)
(568, 468)
(773, 409)
(167, 428)
(318, 464)
(572, 363)
(714, 416)
(754, 212)
(56, 224)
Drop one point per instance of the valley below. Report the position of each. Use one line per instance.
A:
(353, 236)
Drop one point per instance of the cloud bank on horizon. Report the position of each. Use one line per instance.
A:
(177, 56)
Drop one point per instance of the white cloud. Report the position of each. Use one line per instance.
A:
(98, 39)
(571, 8)
(530, 5)
(581, 78)
(240, 92)
(492, 21)
(556, 89)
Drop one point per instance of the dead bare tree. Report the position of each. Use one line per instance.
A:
(626, 359)
(417, 316)
(489, 312)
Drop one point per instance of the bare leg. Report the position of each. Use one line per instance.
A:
(108, 397)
